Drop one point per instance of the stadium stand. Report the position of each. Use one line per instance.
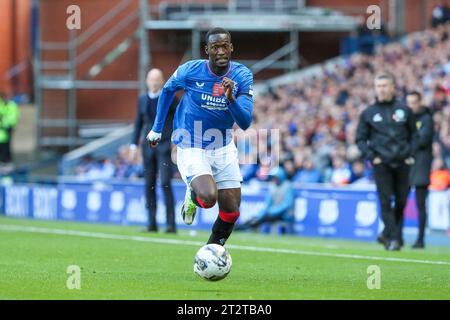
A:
(317, 115)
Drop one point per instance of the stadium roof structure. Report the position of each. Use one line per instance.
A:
(303, 20)
(306, 19)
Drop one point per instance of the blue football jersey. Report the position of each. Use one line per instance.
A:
(202, 118)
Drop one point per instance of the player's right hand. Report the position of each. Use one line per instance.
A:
(153, 138)
(228, 85)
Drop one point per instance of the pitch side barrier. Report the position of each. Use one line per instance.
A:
(344, 212)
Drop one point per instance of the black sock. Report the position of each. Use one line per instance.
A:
(221, 230)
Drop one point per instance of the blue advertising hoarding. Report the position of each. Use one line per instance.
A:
(2, 200)
(319, 211)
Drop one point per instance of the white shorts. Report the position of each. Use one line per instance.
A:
(222, 164)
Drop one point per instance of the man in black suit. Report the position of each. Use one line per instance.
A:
(420, 172)
(155, 159)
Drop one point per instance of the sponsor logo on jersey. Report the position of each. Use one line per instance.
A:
(214, 103)
(208, 98)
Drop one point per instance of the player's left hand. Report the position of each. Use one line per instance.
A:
(228, 85)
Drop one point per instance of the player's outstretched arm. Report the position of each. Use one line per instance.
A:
(164, 102)
(175, 83)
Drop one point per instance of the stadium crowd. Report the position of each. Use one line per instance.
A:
(124, 166)
(317, 117)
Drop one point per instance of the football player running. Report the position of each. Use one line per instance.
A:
(217, 93)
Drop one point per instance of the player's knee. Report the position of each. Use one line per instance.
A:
(207, 199)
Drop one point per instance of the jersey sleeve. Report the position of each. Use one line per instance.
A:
(242, 108)
(178, 80)
(246, 84)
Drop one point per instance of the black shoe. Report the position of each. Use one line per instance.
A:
(419, 245)
(394, 245)
(150, 229)
(382, 240)
(171, 230)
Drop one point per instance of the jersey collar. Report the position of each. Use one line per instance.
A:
(230, 67)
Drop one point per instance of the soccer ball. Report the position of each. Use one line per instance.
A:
(212, 262)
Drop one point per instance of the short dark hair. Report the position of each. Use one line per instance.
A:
(415, 93)
(217, 31)
(385, 75)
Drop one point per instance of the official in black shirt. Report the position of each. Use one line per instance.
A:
(420, 172)
(386, 137)
(159, 158)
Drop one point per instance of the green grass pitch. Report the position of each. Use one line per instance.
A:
(122, 263)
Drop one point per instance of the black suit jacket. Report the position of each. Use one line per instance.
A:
(419, 174)
(145, 116)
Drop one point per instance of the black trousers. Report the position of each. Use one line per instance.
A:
(5, 155)
(392, 182)
(5, 149)
(421, 199)
(158, 160)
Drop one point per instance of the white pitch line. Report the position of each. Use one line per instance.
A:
(98, 235)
